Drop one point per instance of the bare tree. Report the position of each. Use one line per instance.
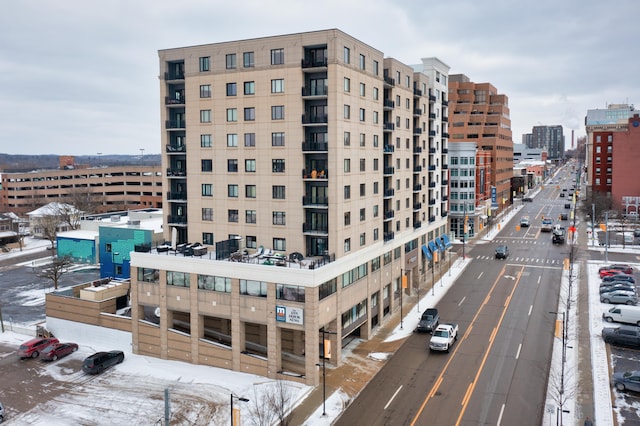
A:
(599, 201)
(58, 267)
(49, 224)
(261, 414)
(85, 202)
(280, 401)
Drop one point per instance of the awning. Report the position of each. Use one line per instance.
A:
(440, 244)
(433, 247)
(426, 252)
(445, 240)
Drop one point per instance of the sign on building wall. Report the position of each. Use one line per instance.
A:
(290, 315)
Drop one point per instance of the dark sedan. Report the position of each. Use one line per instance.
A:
(100, 361)
(619, 278)
(628, 380)
(609, 287)
(625, 335)
(57, 351)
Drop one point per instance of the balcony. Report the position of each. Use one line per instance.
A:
(174, 75)
(316, 91)
(445, 119)
(432, 201)
(432, 116)
(175, 124)
(432, 184)
(432, 168)
(388, 126)
(309, 228)
(315, 119)
(168, 100)
(445, 102)
(445, 166)
(445, 135)
(417, 131)
(315, 174)
(176, 172)
(313, 63)
(445, 198)
(417, 206)
(417, 169)
(388, 215)
(177, 196)
(444, 214)
(389, 81)
(389, 148)
(432, 219)
(432, 150)
(388, 104)
(417, 149)
(432, 132)
(445, 150)
(315, 201)
(315, 146)
(176, 148)
(388, 170)
(417, 225)
(445, 182)
(177, 219)
(388, 193)
(432, 98)
(417, 187)
(417, 92)
(388, 236)
(417, 111)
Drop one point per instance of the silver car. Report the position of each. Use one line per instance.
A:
(627, 380)
(619, 296)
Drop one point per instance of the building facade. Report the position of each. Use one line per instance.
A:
(312, 151)
(550, 139)
(480, 114)
(104, 188)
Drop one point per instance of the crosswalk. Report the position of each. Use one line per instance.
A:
(529, 261)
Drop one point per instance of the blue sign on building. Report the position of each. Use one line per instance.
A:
(494, 197)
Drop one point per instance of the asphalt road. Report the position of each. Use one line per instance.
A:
(497, 372)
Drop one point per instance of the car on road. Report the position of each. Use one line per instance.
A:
(617, 286)
(567, 206)
(100, 361)
(625, 335)
(502, 252)
(616, 268)
(527, 199)
(564, 216)
(619, 277)
(429, 320)
(444, 336)
(547, 225)
(57, 351)
(619, 296)
(628, 380)
(32, 348)
(524, 222)
(562, 194)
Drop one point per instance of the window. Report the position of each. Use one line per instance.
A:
(205, 64)
(232, 115)
(375, 94)
(376, 67)
(250, 216)
(232, 191)
(277, 56)
(205, 116)
(363, 239)
(347, 112)
(253, 288)
(209, 282)
(347, 55)
(207, 238)
(280, 244)
(362, 215)
(363, 189)
(375, 117)
(232, 89)
(375, 164)
(347, 165)
(232, 166)
(207, 214)
(277, 112)
(205, 141)
(205, 91)
(363, 139)
(375, 141)
(249, 87)
(252, 241)
(347, 192)
(206, 165)
(148, 275)
(293, 293)
(247, 60)
(249, 139)
(180, 279)
(362, 62)
(277, 166)
(232, 140)
(363, 165)
(278, 192)
(277, 86)
(250, 165)
(347, 218)
(250, 191)
(347, 138)
(408, 81)
(231, 61)
(347, 85)
(362, 114)
(375, 210)
(279, 218)
(249, 114)
(363, 89)
(232, 216)
(277, 139)
(347, 245)
(207, 190)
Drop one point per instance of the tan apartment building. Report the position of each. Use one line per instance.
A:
(312, 161)
(480, 114)
(108, 189)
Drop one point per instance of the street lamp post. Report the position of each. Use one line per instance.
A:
(402, 283)
(324, 371)
(239, 398)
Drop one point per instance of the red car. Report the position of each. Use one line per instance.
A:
(57, 350)
(618, 268)
(33, 347)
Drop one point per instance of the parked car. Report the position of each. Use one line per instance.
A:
(33, 347)
(628, 380)
(617, 286)
(620, 296)
(429, 320)
(100, 361)
(58, 350)
(502, 252)
(619, 277)
(616, 268)
(625, 335)
(527, 199)
(524, 222)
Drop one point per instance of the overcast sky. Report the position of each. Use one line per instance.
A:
(81, 77)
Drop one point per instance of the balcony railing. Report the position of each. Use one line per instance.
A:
(388, 236)
(432, 98)
(176, 172)
(177, 195)
(315, 174)
(417, 92)
(389, 148)
(315, 201)
(417, 131)
(432, 201)
(315, 146)
(177, 219)
(316, 91)
(417, 206)
(432, 184)
(417, 149)
(432, 116)
(432, 132)
(313, 119)
(176, 148)
(445, 182)
(175, 124)
(317, 229)
(417, 225)
(417, 111)
(390, 214)
(432, 168)
(389, 192)
(432, 218)
(313, 63)
(417, 187)
(432, 150)
(388, 126)
(174, 75)
(168, 100)
(390, 81)
(388, 170)
(417, 169)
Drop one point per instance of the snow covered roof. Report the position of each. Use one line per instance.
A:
(52, 209)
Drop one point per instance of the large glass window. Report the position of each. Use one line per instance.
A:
(205, 141)
(277, 56)
(250, 165)
(180, 279)
(148, 275)
(277, 165)
(231, 61)
(212, 283)
(232, 140)
(277, 139)
(249, 114)
(232, 190)
(277, 85)
(248, 59)
(206, 165)
(249, 139)
(205, 116)
(278, 192)
(253, 288)
(279, 218)
(250, 191)
(232, 89)
(205, 63)
(207, 214)
(250, 216)
(205, 91)
(207, 190)
(291, 293)
(232, 215)
(277, 112)
(232, 115)
(232, 165)
(249, 88)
